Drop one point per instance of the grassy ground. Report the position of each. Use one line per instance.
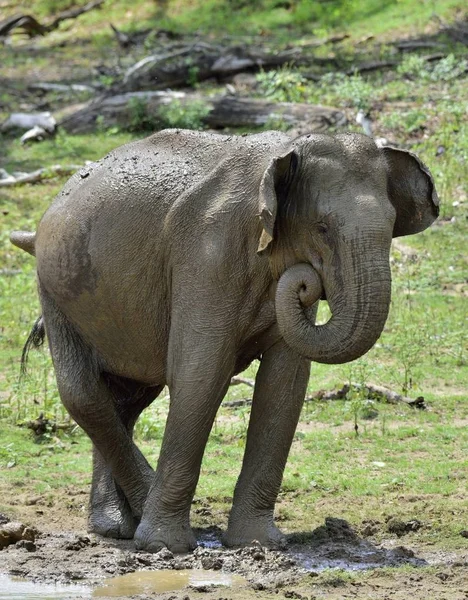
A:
(404, 463)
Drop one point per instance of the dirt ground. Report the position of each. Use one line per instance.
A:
(63, 552)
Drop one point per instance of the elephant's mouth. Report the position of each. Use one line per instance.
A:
(323, 296)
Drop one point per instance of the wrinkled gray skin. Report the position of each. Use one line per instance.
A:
(179, 259)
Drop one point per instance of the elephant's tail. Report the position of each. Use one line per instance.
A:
(24, 240)
(35, 339)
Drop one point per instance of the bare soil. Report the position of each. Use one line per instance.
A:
(64, 552)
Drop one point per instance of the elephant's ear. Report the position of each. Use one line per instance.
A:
(274, 188)
(411, 190)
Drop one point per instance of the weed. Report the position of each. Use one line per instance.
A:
(184, 116)
(446, 69)
(139, 117)
(413, 66)
(277, 122)
(192, 78)
(355, 91)
(283, 85)
(407, 122)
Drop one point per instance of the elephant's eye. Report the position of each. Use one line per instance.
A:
(322, 228)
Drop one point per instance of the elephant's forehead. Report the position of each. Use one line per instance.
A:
(345, 151)
(342, 167)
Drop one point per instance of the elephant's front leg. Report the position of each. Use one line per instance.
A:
(280, 388)
(200, 373)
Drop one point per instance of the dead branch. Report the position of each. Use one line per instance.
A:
(72, 13)
(31, 26)
(333, 39)
(242, 380)
(366, 67)
(43, 86)
(26, 22)
(122, 38)
(372, 391)
(42, 425)
(458, 32)
(200, 61)
(410, 45)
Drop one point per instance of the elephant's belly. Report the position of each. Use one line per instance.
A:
(130, 341)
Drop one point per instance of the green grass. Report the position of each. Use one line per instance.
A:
(398, 466)
(261, 16)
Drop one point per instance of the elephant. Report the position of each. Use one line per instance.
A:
(179, 259)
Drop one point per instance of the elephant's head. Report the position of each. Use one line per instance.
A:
(329, 208)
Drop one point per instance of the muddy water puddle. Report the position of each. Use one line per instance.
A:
(131, 584)
(147, 582)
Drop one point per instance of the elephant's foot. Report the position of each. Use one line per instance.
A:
(114, 520)
(242, 532)
(178, 538)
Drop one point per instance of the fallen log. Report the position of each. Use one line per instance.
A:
(200, 61)
(410, 45)
(376, 65)
(28, 121)
(44, 86)
(222, 111)
(27, 23)
(372, 392)
(8, 180)
(230, 111)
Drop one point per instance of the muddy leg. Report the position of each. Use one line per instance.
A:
(280, 388)
(88, 398)
(110, 514)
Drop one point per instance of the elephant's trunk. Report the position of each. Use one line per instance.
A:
(359, 310)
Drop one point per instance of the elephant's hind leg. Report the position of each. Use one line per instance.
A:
(110, 514)
(87, 396)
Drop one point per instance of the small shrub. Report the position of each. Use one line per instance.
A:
(283, 85)
(413, 66)
(184, 116)
(276, 122)
(175, 114)
(416, 67)
(192, 79)
(448, 68)
(139, 118)
(353, 91)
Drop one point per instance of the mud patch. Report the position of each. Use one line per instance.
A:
(68, 558)
(336, 545)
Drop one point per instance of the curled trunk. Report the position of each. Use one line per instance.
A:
(359, 310)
